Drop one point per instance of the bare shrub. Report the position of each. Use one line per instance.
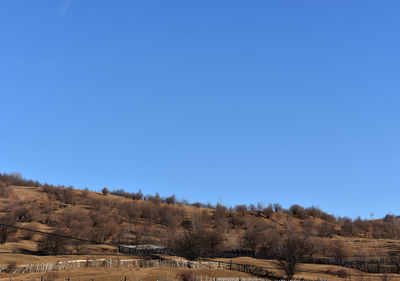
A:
(219, 218)
(149, 211)
(277, 207)
(50, 276)
(5, 191)
(11, 266)
(170, 200)
(105, 191)
(298, 211)
(326, 229)
(24, 211)
(270, 241)
(252, 239)
(188, 245)
(186, 275)
(236, 220)
(339, 251)
(27, 235)
(268, 211)
(341, 273)
(131, 211)
(5, 231)
(241, 209)
(54, 244)
(67, 196)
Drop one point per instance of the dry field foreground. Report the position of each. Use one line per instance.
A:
(163, 273)
(132, 274)
(314, 271)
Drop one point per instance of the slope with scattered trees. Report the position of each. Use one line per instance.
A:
(192, 230)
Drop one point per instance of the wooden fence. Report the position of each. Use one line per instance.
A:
(390, 264)
(77, 264)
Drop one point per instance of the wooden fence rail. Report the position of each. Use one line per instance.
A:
(77, 264)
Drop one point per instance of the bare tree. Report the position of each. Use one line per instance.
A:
(195, 244)
(105, 191)
(188, 245)
(212, 243)
(54, 244)
(339, 251)
(6, 231)
(252, 239)
(290, 252)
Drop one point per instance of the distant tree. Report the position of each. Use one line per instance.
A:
(252, 239)
(277, 207)
(170, 200)
(187, 224)
(297, 210)
(6, 231)
(339, 251)
(67, 196)
(138, 195)
(268, 211)
(5, 191)
(241, 209)
(131, 211)
(52, 244)
(326, 229)
(105, 191)
(212, 243)
(219, 218)
(188, 245)
(197, 204)
(195, 244)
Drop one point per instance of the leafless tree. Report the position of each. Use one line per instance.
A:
(253, 238)
(105, 191)
(290, 252)
(5, 231)
(54, 244)
(188, 245)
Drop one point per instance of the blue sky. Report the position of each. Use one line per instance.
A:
(232, 101)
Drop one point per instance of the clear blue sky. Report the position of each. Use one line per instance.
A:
(232, 101)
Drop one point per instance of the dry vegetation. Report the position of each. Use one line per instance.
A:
(191, 230)
(132, 274)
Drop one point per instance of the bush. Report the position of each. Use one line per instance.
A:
(341, 273)
(6, 232)
(54, 245)
(11, 267)
(105, 191)
(299, 211)
(186, 275)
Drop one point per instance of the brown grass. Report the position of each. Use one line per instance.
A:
(313, 271)
(107, 274)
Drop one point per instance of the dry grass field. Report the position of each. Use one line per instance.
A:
(132, 274)
(313, 271)
(307, 271)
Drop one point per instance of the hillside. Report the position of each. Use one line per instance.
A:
(133, 219)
